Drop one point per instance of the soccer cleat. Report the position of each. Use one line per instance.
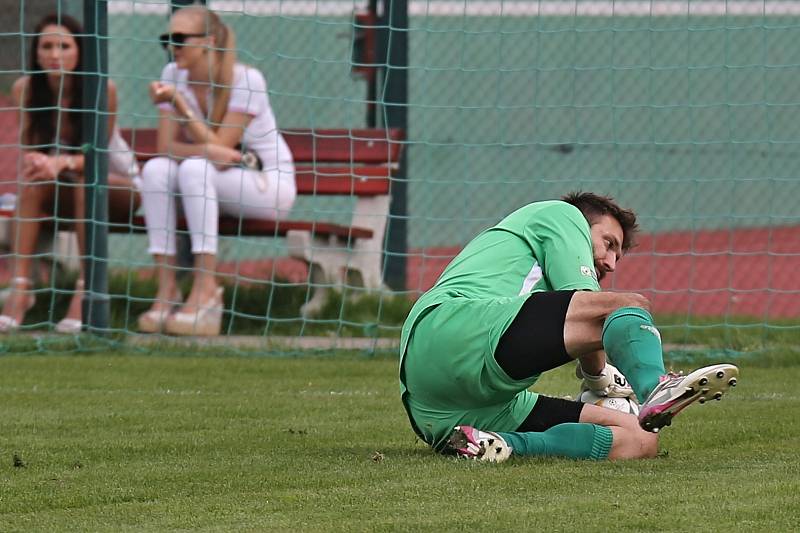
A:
(674, 392)
(466, 441)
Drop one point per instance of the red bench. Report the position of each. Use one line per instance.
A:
(356, 163)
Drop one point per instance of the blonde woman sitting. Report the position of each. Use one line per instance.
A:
(212, 111)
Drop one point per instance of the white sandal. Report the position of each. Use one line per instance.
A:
(154, 320)
(206, 321)
(71, 326)
(9, 324)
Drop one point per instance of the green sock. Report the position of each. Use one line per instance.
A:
(633, 344)
(578, 441)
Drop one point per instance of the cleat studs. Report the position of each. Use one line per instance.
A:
(498, 449)
(491, 441)
(718, 396)
(732, 382)
(703, 381)
(720, 374)
(702, 400)
(705, 391)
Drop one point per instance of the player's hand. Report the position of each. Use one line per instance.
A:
(611, 382)
(161, 92)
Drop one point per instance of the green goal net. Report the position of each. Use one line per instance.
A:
(687, 112)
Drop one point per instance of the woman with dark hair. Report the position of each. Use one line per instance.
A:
(51, 185)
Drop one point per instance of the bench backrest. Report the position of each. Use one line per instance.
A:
(356, 162)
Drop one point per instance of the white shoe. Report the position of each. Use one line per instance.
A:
(154, 320)
(206, 321)
(466, 441)
(71, 326)
(10, 324)
(675, 392)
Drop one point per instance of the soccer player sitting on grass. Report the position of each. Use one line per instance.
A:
(523, 298)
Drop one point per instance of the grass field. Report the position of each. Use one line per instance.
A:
(117, 442)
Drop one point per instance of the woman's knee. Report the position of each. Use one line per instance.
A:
(156, 174)
(194, 174)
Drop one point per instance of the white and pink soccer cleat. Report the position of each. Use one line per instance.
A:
(675, 392)
(466, 441)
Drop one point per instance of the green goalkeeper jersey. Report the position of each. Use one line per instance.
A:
(540, 247)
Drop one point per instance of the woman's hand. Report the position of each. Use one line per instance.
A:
(37, 166)
(161, 93)
(222, 156)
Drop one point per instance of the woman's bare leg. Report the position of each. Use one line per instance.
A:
(123, 201)
(204, 287)
(77, 195)
(30, 211)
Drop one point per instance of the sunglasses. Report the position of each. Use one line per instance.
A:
(177, 39)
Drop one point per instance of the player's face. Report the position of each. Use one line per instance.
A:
(193, 49)
(607, 244)
(57, 50)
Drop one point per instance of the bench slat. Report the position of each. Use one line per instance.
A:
(250, 228)
(371, 146)
(258, 228)
(361, 181)
(343, 146)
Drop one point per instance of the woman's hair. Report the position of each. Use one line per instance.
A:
(40, 103)
(225, 48)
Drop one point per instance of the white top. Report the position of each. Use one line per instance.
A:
(248, 95)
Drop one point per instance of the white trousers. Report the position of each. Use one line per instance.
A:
(206, 192)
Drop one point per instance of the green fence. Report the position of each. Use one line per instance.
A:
(687, 112)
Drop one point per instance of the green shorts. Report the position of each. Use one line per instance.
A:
(451, 375)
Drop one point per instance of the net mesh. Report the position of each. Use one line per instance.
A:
(685, 111)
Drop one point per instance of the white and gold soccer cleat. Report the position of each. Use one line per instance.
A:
(675, 392)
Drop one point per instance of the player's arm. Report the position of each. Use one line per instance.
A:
(563, 238)
(601, 377)
(563, 242)
(591, 364)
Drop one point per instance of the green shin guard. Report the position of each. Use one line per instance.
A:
(578, 441)
(633, 344)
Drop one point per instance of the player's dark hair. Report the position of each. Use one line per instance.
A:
(594, 206)
(41, 104)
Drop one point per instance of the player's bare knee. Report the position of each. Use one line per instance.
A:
(648, 444)
(633, 443)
